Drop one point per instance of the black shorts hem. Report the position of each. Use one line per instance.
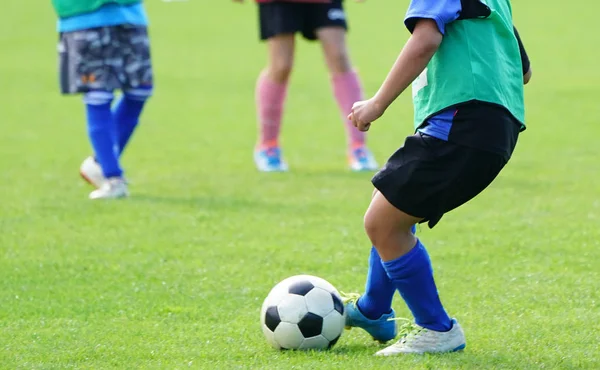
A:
(429, 177)
(280, 18)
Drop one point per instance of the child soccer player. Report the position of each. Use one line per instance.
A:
(324, 20)
(104, 47)
(467, 72)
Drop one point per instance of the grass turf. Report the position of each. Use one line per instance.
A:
(174, 277)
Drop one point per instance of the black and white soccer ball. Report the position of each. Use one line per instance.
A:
(303, 312)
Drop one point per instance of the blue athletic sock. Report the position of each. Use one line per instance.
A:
(126, 114)
(101, 132)
(379, 289)
(412, 275)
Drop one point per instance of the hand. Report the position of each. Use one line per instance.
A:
(527, 77)
(364, 113)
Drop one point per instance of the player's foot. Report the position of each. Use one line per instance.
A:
(382, 329)
(269, 159)
(112, 188)
(91, 172)
(361, 159)
(416, 339)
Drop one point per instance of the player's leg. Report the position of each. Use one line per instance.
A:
(413, 183)
(137, 84)
(403, 257)
(271, 92)
(278, 24)
(329, 21)
(423, 180)
(82, 60)
(101, 133)
(409, 192)
(126, 113)
(104, 143)
(372, 311)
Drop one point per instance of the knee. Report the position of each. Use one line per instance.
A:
(339, 61)
(382, 232)
(375, 230)
(280, 71)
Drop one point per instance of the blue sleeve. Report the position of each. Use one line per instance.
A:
(108, 15)
(441, 11)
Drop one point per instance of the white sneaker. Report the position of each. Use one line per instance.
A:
(417, 339)
(91, 172)
(112, 188)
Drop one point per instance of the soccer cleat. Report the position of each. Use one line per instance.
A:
(91, 172)
(269, 159)
(382, 329)
(416, 339)
(361, 159)
(112, 188)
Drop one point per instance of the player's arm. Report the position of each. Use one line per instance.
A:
(524, 58)
(414, 57)
(426, 20)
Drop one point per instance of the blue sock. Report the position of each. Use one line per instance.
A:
(379, 289)
(101, 132)
(412, 275)
(126, 114)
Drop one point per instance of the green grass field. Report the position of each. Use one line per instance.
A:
(174, 277)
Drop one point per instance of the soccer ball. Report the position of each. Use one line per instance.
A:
(303, 312)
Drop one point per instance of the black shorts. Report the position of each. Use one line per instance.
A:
(428, 177)
(105, 58)
(280, 17)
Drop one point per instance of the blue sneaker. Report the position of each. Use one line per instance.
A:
(382, 329)
(361, 159)
(269, 160)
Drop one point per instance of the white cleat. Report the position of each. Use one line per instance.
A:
(112, 188)
(419, 340)
(91, 172)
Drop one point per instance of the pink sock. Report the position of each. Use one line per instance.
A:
(270, 98)
(347, 91)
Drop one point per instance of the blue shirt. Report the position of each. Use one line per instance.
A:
(108, 15)
(442, 12)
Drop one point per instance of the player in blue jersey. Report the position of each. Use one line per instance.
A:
(467, 67)
(104, 47)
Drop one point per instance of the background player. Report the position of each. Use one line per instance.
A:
(321, 20)
(467, 73)
(103, 47)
